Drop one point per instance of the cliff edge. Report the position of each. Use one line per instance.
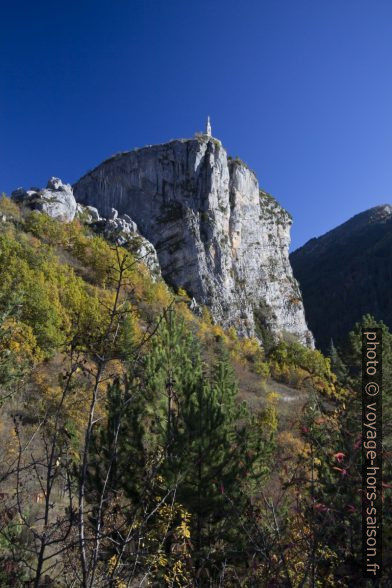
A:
(217, 235)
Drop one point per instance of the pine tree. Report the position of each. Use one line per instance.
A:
(214, 449)
(117, 457)
(178, 434)
(338, 366)
(334, 468)
(116, 486)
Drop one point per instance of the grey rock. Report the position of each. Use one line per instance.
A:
(215, 233)
(122, 230)
(56, 200)
(145, 252)
(87, 214)
(113, 214)
(196, 308)
(93, 212)
(54, 184)
(80, 211)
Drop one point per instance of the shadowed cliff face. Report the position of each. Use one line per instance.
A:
(347, 273)
(215, 233)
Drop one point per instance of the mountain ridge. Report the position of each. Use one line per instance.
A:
(346, 273)
(361, 216)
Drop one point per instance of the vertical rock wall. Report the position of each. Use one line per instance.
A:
(216, 234)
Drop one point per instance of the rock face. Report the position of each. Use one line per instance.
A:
(347, 273)
(120, 227)
(87, 214)
(122, 230)
(56, 200)
(216, 234)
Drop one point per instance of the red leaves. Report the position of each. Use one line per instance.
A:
(339, 456)
(320, 507)
(358, 442)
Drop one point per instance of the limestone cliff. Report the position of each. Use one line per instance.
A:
(216, 234)
(56, 200)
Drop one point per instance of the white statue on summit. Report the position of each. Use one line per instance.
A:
(208, 127)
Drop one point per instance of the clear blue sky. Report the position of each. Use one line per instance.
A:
(299, 89)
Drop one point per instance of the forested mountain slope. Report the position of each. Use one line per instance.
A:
(347, 273)
(128, 456)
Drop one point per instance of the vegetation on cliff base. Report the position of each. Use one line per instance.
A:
(126, 455)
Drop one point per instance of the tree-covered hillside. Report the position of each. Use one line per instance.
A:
(346, 274)
(143, 445)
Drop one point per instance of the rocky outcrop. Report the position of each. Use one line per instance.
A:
(120, 228)
(216, 234)
(123, 231)
(56, 200)
(87, 214)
